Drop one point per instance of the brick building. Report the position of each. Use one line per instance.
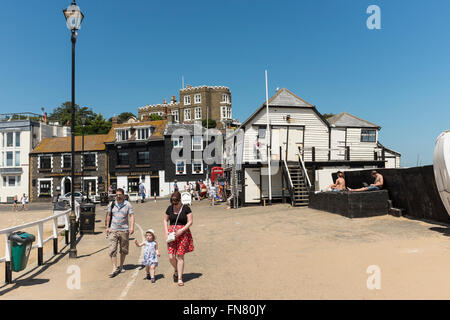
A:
(50, 164)
(195, 104)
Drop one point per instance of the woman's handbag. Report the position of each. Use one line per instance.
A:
(171, 236)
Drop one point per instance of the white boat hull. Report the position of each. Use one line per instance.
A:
(441, 167)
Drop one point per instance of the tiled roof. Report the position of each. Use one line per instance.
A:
(345, 119)
(158, 133)
(95, 142)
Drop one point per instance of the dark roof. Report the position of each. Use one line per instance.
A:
(379, 145)
(345, 119)
(157, 134)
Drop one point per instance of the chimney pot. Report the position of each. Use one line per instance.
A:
(164, 101)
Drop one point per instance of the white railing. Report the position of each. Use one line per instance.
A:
(40, 238)
(286, 167)
(304, 168)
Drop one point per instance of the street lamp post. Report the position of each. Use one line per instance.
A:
(74, 17)
(83, 122)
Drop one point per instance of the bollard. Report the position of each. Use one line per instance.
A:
(154, 194)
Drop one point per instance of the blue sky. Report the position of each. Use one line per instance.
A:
(132, 53)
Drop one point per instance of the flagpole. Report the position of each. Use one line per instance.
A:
(268, 142)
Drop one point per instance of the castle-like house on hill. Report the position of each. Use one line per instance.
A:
(195, 105)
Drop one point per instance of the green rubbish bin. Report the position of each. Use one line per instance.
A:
(20, 249)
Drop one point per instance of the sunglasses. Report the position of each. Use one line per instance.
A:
(175, 200)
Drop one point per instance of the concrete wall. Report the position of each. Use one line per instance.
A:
(413, 189)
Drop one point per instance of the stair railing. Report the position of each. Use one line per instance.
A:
(288, 174)
(305, 173)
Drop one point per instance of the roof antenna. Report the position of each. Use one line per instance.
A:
(182, 82)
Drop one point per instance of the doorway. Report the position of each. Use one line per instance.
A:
(154, 185)
(67, 186)
(252, 183)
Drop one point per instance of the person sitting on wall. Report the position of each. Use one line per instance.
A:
(339, 185)
(377, 185)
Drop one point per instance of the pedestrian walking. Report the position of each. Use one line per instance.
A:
(212, 194)
(23, 200)
(180, 218)
(151, 254)
(16, 201)
(120, 225)
(142, 191)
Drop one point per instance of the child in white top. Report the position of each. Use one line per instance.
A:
(151, 254)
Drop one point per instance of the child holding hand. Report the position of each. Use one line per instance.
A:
(151, 254)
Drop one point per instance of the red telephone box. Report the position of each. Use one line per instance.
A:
(216, 172)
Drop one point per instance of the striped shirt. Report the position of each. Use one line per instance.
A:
(120, 213)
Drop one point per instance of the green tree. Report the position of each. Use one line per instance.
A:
(328, 115)
(211, 123)
(154, 117)
(124, 116)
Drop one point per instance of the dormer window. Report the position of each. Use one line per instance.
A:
(143, 134)
(123, 135)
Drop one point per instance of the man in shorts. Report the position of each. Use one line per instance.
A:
(377, 185)
(119, 229)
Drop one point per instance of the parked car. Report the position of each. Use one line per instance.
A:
(68, 195)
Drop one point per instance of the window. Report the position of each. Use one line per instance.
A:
(198, 98)
(18, 181)
(187, 114)
(17, 159)
(225, 112)
(197, 143)
(45, 162)
(89, 160)
(198, 113)
(123, 135)
(17, 139)
(67, 161)
(9, 139)
(262, 132)
(12, 181)
(143, 134)
(225, 97)
(176, 116)
(178, 142)
(187, 100)
(4, 181)
(90, 185)
(181, 167)
(45, 188)
(143, 157)
(9, 159)
(197, 166)
(122, 159)
(368, 135)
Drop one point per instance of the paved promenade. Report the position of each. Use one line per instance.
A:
(275, 252)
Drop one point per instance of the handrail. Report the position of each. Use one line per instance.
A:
(303, 167)
(287, 169)
(40, 240)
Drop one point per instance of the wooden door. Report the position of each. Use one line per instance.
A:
(252, 183)
(295, 141)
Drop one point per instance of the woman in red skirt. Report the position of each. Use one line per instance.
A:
(183, 238)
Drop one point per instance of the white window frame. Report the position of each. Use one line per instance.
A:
(119, 134)
(45, 155)
(176, 115)
(187, 100)
(201, 143)
(139, 135)
(12, 159)
(199, 116)
(62, 160)
(15, 159)
(39, 186)
(96, 183)
(223, 112)
(197, 161)
(228, 110)
(186, 111)
(197, 98)
(96, 159)
(179, 144)
(225, 98)
(176, 167)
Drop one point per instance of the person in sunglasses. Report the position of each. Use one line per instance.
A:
(180, 218)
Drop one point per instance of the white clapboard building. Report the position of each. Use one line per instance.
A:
(305, 149)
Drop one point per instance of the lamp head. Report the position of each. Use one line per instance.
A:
(73, 16)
